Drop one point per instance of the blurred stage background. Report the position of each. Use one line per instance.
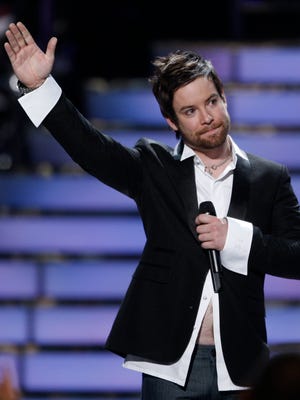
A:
(69, 244)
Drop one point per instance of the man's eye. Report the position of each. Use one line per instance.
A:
(213, 101)
(190, 111)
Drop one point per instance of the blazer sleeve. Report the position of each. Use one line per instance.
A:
(98, 154)
(278, 252)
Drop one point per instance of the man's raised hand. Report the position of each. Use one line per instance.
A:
(30, 64)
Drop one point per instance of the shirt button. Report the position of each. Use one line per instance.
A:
(204, 297)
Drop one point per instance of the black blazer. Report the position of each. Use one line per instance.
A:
(157, 315)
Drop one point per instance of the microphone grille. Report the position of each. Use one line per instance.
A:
(207, 207)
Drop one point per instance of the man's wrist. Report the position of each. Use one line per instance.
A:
(23, 89)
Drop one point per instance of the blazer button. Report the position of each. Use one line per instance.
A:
(191, 307)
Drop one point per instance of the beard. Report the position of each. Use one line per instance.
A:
(213, 141)
(200, 141)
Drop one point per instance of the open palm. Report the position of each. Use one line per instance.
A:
(30, 64)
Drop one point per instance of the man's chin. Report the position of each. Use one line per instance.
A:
(212, 140)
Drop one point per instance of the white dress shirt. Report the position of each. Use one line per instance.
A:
(38, 103)
(234, 256)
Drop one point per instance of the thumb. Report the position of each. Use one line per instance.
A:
(50, 51)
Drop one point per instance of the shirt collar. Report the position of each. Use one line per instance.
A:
(182, 151)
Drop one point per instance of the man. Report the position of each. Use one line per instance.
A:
(189, 339)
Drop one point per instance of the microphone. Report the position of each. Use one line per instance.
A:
(207, 207)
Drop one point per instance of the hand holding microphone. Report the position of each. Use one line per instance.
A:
(212, 234)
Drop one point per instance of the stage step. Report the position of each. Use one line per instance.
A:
(71, 235)
(276, 144)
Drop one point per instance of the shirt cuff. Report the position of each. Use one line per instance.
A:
(38, 103)
(236, 251)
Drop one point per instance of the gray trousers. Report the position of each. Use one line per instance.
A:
(201, 383)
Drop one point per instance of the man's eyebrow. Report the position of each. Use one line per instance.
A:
(215, 94)
(186, 107)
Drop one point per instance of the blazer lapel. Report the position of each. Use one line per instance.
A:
(182, 175)
(189, 193)
(240, 189)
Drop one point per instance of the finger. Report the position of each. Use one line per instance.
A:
(9, 51)
(12, 41)
(204, 237)
(203, 219)
(207, 245)
(203, 228)
(24, 32)
(18, 37)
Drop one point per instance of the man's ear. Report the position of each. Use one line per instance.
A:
(172, 125)
(223, 97)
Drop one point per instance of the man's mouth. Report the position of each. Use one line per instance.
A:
(210, 131)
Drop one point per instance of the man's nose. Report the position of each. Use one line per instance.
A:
(206, 117)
